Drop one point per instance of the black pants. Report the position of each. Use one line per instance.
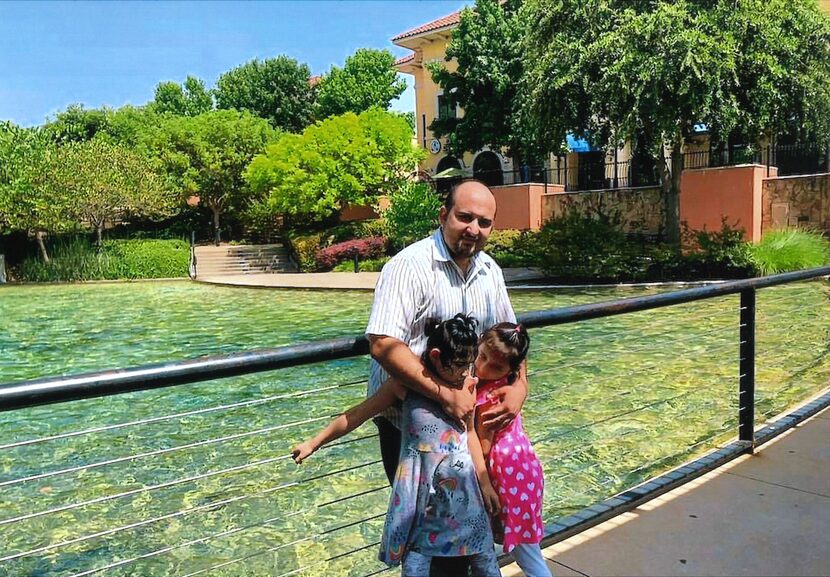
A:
(390, 452)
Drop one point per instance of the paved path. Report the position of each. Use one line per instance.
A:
(334, 280)
(766, 514)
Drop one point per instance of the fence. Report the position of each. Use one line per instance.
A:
(209, 493)
(592, 171)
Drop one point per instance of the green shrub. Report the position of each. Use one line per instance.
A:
(717, 254)
(304, 248)
(145, 258)
(370, 265)
(587, 246)
(789, 249)
(75, 259)
(412, 213)
(513, 248)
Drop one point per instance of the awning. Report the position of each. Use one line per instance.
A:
(578, 144)
(452, 172)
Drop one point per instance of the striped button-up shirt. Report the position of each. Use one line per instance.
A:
(423, 282)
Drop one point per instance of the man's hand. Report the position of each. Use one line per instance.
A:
(459, 403)
(508, 401)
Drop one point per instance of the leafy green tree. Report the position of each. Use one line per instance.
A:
(76, 124)
(191, 99)
(206, 156)
(618, 70)
(368, 79)
(487, 48)
(28, 202)
(107, 182)
(347, 159)
(277, 89)
(412, 213)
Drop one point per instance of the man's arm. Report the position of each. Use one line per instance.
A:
(400, 362)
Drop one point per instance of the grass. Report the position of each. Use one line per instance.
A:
(790, 249)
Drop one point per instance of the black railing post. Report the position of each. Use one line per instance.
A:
(746, 396)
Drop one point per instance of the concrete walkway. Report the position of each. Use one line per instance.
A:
(333, 280)
(765, 514)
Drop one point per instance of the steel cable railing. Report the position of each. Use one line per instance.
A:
(316, 487)
(231, 406)
(207, 507)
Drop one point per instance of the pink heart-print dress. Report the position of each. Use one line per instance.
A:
(516, 475)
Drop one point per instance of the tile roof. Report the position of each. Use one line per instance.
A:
(405, 59)
(449, 20)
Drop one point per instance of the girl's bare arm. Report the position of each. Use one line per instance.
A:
(389, 392)
(491, 499)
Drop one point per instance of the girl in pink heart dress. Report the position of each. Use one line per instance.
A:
(514, 469)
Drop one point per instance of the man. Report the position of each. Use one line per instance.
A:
(439, 277)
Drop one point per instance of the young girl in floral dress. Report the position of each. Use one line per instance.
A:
(442, 498)
(515, 470)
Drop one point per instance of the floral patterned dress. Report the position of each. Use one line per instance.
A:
(436, 507)
(517, 476)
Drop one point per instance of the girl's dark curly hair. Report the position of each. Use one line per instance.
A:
(511, 341)
(455, 338)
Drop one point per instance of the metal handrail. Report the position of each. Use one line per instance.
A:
(103, 383)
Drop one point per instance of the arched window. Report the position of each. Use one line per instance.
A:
(487, 169)
(447, 162)
(443, 184)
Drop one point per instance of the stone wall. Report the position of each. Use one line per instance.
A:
(796, 201)
(641, 209)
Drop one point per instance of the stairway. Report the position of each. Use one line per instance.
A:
(242, 259)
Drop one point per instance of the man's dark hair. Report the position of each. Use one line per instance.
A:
(449, 201)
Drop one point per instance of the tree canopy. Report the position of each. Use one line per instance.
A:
(107, 182)
(206, 155)
(619, 70)
(346, 159)
(190, 99)
(368, 79)
(28, 202)
(487, 48)
(276, 89)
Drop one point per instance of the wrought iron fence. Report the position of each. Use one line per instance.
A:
(592, 171)
(207, 493)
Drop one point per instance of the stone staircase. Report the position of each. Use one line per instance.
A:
(242, 259)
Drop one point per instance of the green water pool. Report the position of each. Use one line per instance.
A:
(195, 479)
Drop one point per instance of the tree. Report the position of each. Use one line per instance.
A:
(618, 70)
(107, 182)
(346, 159)
(76, 124)
(27, 201)
(487, 48)
(277, 89)
(191, 99)
(367, 80)
(207, 154)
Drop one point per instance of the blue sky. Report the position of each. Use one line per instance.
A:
(53, 54)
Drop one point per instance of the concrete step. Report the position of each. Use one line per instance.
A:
(242, 259)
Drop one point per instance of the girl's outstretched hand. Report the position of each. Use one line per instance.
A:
(301, 452)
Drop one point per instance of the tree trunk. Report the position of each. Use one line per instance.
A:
(671, 170)
(39, 235)
(216, 213)
(99, 234)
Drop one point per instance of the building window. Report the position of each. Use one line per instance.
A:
(445, 109)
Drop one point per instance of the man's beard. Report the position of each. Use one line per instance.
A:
(460, 250)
